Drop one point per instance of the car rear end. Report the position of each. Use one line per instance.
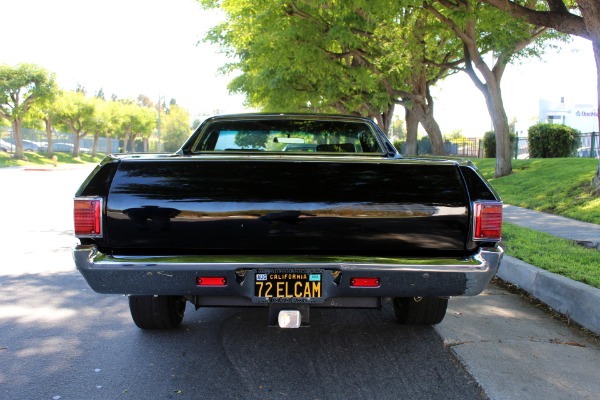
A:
(288, 232)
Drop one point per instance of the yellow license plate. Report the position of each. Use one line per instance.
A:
(288, 284)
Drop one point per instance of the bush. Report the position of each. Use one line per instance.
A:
(489, 144)
(423, 146)
(552, 141)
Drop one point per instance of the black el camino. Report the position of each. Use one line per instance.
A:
(286, 212)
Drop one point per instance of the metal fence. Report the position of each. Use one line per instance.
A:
(37, 140)
(589, 144)
(588, 147)
(462, 147)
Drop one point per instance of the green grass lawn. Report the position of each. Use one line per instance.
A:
(41, 159)
(557, 186)
(554, 185)
(556, 255)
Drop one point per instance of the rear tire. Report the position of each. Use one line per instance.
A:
(420, 310)
(157, 312)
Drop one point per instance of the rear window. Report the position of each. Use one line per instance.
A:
(288, 136)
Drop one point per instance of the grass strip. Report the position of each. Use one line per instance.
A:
(560, 256)
(41, 159)
(559, 186)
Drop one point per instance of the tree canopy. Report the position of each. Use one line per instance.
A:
(359, 57)
(573, 17)
(20, 88)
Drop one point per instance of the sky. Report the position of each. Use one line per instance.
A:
(151, 47)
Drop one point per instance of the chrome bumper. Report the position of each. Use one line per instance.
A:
(178, 275)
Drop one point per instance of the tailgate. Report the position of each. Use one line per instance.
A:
(287, 206)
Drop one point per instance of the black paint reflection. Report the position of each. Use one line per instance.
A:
(271, 205)
(143, 216)
(196, 180)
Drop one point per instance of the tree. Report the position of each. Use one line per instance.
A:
(99, 121)
(146, 125)
(579, 18)
(128, 124)
(76, 113)
(476, 25)
(45, 110)
(433, 55)
(175, 129)
(20, 88)
(348, 57)
(114, 121)
(137, 121)
(100, 94)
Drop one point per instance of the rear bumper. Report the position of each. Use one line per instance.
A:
(178, 275)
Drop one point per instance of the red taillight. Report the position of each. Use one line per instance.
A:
(488, 220)
(88, 217)
(364, 282)
(211, 281)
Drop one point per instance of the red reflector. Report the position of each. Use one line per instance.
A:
(211, 281)
(364, 282)
(488, 221)
(88, 217)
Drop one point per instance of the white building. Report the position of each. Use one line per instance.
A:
(583, 117)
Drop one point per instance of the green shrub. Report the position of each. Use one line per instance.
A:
(489, 144)
(552, 141)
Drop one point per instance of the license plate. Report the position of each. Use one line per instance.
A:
(288, 285)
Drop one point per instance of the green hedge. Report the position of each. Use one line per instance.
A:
(489, 143)
(552, 141)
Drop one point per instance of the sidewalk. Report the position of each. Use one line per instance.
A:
(584, 233)
(578, 301)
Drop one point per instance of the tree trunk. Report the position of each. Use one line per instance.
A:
(76, 139)
(132, 142)
(590, 10)
(108, 144)
(382, 119)
(387, 118)
(423, 107)
(95, 146)
(126, 141)
(596, 45)
(412, 126)
(146, 146)
(16, 125)
(432, 128)
(49, 134)
(495, 106)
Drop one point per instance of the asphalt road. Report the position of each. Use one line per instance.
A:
(60, 340)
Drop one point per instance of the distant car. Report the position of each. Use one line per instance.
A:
(5, 146)
(28, 145)
(586, 152)
(67, 148)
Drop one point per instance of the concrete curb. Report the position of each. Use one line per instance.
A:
(578, 301)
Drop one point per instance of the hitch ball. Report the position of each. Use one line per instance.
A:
(289, 319)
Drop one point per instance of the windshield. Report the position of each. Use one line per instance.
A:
(289, 136)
